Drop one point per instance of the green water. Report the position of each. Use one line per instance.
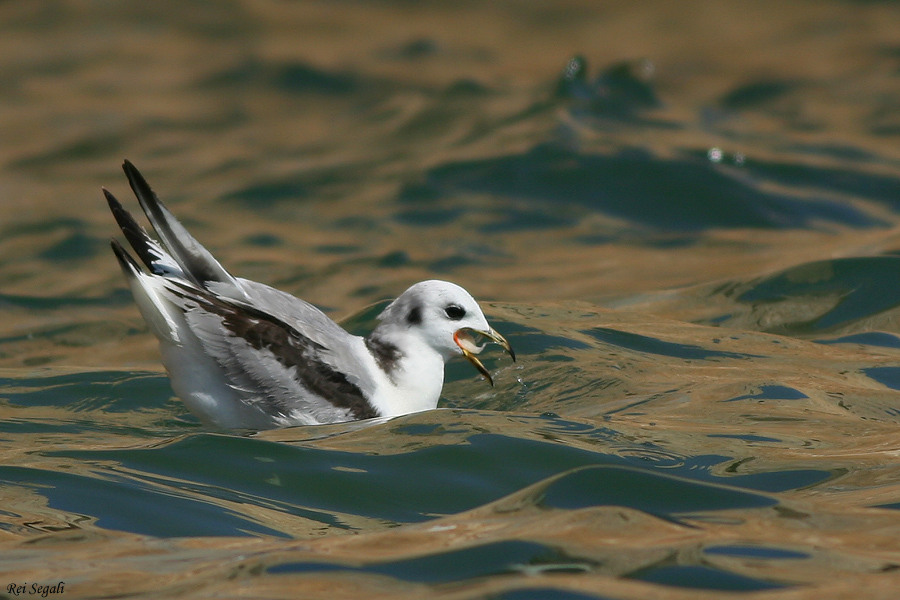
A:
(683, 216)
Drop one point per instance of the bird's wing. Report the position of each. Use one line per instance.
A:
(287, 369)
(196, 263)
(151, 253)
(281, 354)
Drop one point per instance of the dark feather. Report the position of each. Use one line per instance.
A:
(136, 235)
(128, 264)
(414, 316)
(293, 350)
(195, 260)
(386, 354)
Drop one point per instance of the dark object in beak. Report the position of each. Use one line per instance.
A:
(469, 348)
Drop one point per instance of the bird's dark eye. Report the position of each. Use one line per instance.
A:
(455, 312)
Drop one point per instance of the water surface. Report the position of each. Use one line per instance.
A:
(684, 217)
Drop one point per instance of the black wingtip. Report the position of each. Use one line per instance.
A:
(134, 233)
(195, 261)
(114, 205)
(128, 264)
(134, 176)
(145, 195)
(129, 167)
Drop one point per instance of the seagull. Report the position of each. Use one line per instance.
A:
(243, 355)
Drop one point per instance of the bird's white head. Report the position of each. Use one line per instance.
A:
(446, 317)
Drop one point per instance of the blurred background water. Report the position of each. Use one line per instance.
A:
(684, 216)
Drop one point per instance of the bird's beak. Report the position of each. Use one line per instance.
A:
(466, 343)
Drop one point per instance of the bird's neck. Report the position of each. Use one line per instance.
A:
(411, 372)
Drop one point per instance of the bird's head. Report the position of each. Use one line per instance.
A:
(447, 318)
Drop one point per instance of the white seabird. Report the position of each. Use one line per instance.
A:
(241, 354)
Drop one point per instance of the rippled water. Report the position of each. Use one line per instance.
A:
(684, 216)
